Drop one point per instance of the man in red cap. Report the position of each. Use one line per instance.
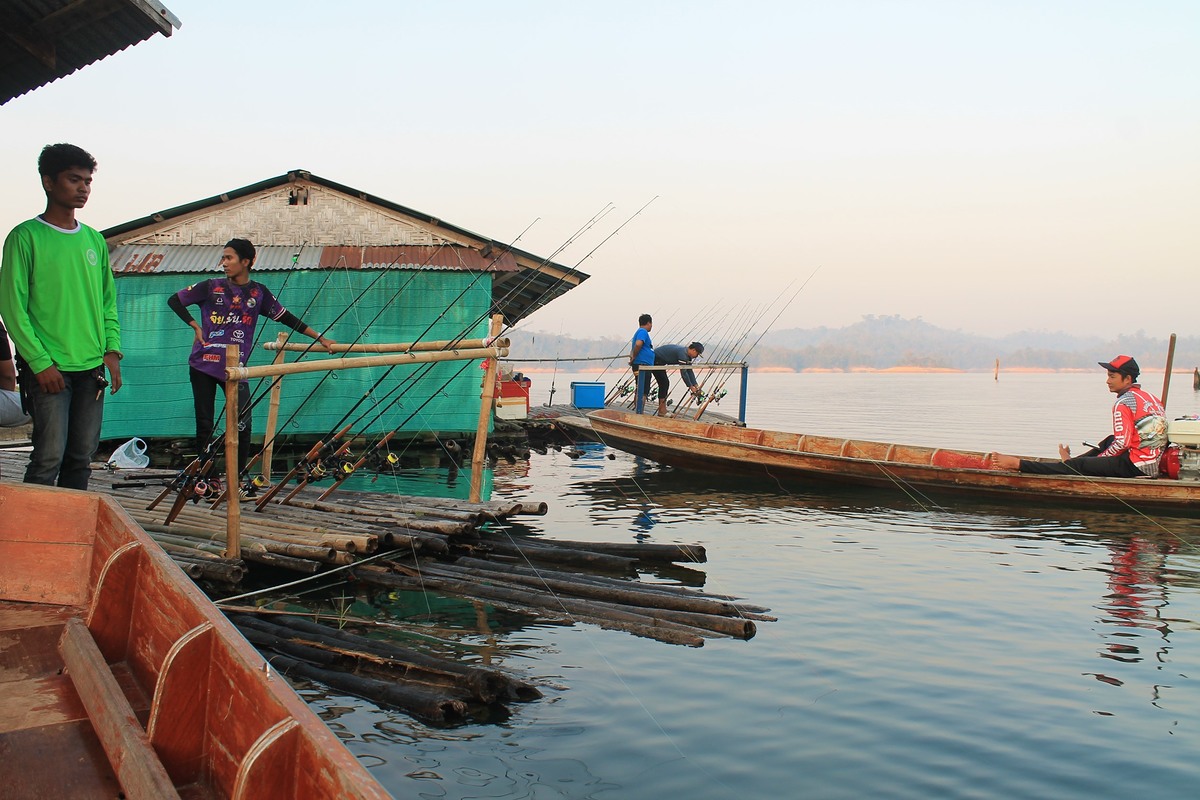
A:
(1135, 446)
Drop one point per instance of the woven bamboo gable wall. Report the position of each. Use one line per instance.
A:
(299, 213)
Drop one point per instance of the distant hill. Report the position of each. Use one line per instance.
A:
(881, 342)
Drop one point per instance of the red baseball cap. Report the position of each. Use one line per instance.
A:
(1124, 365)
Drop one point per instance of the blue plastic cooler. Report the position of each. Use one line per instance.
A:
(587, 394)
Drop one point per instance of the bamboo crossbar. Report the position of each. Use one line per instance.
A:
(394, 347)
(498, 350)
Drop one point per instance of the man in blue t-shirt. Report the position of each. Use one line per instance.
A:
(642, 355)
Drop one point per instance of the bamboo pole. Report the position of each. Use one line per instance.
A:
(273, 413)
(485, 412)
(233, 509)
(1167, 375)
(499, 349)
(396, 347)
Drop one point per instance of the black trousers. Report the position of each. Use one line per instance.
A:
(1089, 463)
(204, 393)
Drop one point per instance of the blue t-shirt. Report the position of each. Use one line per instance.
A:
(646, 354)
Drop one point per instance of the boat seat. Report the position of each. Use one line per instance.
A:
(133, 759)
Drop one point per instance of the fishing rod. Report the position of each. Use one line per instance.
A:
(191, 480)
(716, 351)
(465, 330)
(195, 477)
(775, 319)
(300, 466)
(384, 440)
(317, 452)
(480, 318)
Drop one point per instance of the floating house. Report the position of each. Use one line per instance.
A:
(362, 268)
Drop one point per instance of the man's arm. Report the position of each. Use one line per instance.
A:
(112, 325)
(15, 270)
(16, 267)
(1122, 425)
(295, 323)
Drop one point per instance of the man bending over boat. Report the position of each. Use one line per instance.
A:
(669, 354)
(1135, 446)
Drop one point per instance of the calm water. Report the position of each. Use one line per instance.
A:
(953, 650)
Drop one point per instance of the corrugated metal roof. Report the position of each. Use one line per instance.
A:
(160, 259)
(418, 257)
(48, 39)
(517, 292)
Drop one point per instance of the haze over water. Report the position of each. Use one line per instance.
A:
(925, 646)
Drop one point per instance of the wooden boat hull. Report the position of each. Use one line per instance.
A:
(161, 696)
(803, 457)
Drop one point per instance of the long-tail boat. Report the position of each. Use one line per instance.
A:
(118, 678)
(714, 447)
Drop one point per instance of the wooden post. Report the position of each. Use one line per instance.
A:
(273, 411)
(233, 510)
(1167, 375)
(485, 411)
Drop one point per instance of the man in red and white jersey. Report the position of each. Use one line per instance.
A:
(1135, 446)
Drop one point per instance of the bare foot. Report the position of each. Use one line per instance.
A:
(1003, 462)
(1064, 452)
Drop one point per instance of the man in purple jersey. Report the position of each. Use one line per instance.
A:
(230, 308)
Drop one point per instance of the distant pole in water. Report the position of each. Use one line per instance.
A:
(1196, 379)
(1170, 363)
(996, 374)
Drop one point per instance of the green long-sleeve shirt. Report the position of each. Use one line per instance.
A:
(57, 296)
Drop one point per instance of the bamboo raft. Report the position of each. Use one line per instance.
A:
(448, 546)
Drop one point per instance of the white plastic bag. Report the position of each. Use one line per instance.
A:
(131, 455)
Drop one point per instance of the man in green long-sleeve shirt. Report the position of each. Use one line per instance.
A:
(59, 301)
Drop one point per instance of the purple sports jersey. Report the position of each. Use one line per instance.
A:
(228, 315)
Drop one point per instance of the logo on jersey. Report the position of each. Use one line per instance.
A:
(91, 257)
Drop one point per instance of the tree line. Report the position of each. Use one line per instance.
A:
(883, 342)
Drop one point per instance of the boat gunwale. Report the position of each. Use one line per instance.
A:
(1173, 493)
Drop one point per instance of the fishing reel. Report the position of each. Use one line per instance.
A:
(716, 396)
(345, 468)
(260, 482)
(314, 471)
(624, 389)
(206, 489)
(392, 459)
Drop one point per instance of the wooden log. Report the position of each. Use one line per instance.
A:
(604, 580)
(493, 508)
(212, 570)
(281, 561)
(446, 527)
(550, 553)
(630, 594)
(543, 601)
(312, 552)
(423, 704)
(482, 685)
(737, 626)
(201, 524)
(685, 553)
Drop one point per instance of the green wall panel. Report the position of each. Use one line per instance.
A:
(387, 306)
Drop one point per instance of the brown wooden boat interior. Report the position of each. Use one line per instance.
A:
(117, 675)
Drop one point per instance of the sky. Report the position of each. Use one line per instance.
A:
(989, 167)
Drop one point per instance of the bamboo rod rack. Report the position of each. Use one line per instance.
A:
(498, 350)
